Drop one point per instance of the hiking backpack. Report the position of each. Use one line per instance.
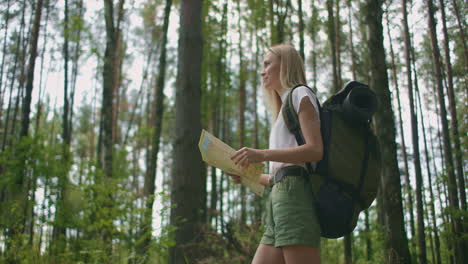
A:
(345, 181)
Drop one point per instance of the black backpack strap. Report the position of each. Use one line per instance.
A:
(292, 120)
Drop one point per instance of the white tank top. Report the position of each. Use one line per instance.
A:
(280, 137)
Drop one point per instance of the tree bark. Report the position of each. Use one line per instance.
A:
(18, 189)
(301, 30)
(453, 112)
(429, 172)
(442, 194)
(188, 194)
(25, 31)
(106, 138)
(367, 238)
(313, 34)
(347, 241)
(217, 118)
(422, 256)
(242, 84)
(396, 243)
(338, 44)
(105, 135)
(5, 41)
(332, 38)
(149, 187)
(348, 249)
(403, 141)
(7, 133)
(40, 105)
(271, 16)
(59, 230)
(452, 183)
(75, 68)
(278, 14)
(351, 42)
(30, 72)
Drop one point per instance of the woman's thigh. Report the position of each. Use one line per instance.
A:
(299, 254)
(268, 254)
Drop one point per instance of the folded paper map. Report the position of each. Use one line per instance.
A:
(218, 154)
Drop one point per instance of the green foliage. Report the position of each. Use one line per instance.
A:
(31, 160)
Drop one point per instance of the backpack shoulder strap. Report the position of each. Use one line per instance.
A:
(292, 120)
(290, 116)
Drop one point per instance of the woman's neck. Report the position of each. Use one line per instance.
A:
(279, 90)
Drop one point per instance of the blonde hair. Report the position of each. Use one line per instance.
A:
(291, 74)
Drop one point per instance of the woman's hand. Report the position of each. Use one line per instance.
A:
(246, 156)
(235, 178)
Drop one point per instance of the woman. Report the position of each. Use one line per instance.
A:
(292, 231)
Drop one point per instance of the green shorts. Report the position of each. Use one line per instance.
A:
(290, 215)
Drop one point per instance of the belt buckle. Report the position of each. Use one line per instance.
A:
(272, 181)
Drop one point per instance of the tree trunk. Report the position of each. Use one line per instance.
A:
(75, 68)
(7, 133)
(242, 84)
(348, 238)
(106, 142)
(441, 194)
(216, 188)
(403, 141)
(396, 243)
(5, 41)
(452, 183)
(31, 66)
(6, 119)
(66, 110)
(271, 16)
(258, 200)
(188, 195)
(17, 191)
(150, 178)
(429, 173)
(351, 42)
(332, 37)
(313, 34)
(301, 30)
(338, 44)
(348, 249)
(21, 49)
(278, 14)
(59, 230)
(422, 256)
(24, 180)
(453, 113)
(367, 238)
(40, 105)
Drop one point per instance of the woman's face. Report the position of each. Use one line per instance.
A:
(271, 71)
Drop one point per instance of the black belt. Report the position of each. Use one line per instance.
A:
(287, 171)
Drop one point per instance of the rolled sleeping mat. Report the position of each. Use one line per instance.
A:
(360, 104)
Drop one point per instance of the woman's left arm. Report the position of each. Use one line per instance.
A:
(311, 151)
